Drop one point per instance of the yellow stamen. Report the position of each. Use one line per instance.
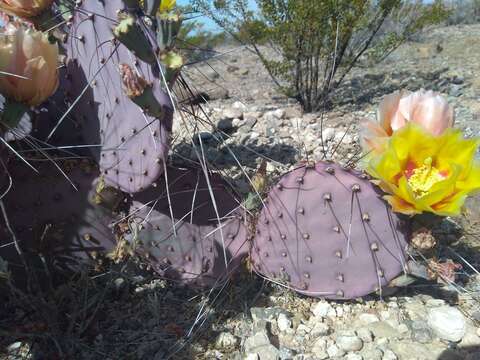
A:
(423, 178)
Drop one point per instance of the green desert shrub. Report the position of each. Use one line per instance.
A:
(309, 46)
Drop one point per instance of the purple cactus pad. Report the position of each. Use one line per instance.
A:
(194, 252)
(50, 217)
(135, 145)
(326, 232)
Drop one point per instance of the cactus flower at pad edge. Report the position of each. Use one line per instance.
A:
(25, 8)
(421, 172)
(33, 61)
(425, 108)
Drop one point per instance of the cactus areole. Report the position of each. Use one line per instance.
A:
(326, 232)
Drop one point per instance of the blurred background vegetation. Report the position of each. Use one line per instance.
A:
(309, 46)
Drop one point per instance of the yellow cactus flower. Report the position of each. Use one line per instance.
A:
(167, 5)
(421, 172)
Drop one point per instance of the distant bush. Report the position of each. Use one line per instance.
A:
(198, 44)
(195, 41)
(319, 41)
(464, 12)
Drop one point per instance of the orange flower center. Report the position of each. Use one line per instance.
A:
(421, 179)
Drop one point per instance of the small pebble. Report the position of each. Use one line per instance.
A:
(284, 322)
(333, 351)
(389, 355)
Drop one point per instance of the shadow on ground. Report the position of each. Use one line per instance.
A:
(363, 89)
(223, 156)
(461, 353)
(120, 315)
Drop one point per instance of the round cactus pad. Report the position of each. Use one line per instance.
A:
(326, 232)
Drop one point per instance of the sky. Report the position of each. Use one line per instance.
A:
(209, 24)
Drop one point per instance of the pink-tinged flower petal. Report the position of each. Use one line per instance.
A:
(404, 112)
(433, 113)
(387, 110)
(30, 55)
(24, 8)
(425, 108)
(372, 135)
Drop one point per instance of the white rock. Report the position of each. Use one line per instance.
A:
(332, 313)
(226, 340)
(253, 356)
(389, 355)
(320, 329)
(353, 357)
(260, 344)
(254, 135)
(372, 354)
(447, 322)
(319, 349)
(403, 328)
(435, 302)
(393, 322)
(237, 122)
(14, 346)
(341, 136)
(328, 134)
(471, 339)
(256, 341)
(334, 351)
(284, 323)
(348, 341)
(322, 308)
(279, 113)
(232, 113)
(386, 315)
(368, 318)
(393, 305)
(274, 116)
(239, 106)
(381, 341)
(365, 334)
(303, 329)
(347, 139)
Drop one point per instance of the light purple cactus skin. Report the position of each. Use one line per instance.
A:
(50, 217)
(134, 145)
(326, 232)
(193, 253)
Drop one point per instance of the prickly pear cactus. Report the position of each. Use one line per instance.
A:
(68, 136)
(114, 87)
(53, 216)
(325, 232)
(194, 246)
